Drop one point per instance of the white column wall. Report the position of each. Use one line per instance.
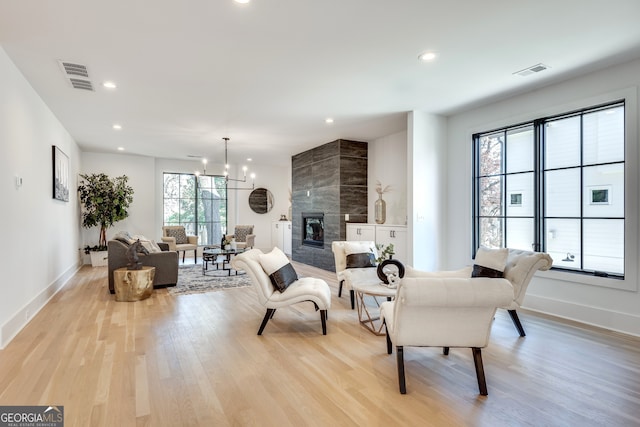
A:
(41, 235)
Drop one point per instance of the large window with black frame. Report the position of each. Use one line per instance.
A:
(199, 203)
(555, 184)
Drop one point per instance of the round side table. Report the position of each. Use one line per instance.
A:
(133, 285)
(366, 318)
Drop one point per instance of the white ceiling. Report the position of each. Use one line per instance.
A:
(268, 73)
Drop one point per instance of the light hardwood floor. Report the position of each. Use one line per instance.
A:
(195, 360)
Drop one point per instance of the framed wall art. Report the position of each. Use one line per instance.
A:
(60, 175)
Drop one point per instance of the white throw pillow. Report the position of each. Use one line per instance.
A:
(490, 262)
(359, 248)
(278, 268)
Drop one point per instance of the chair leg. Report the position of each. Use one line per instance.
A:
(400, 359)
(477, 360)
(516, 322)
(323, 317)
(183, 254)
(389, 344)
(353, 298)
(195, 256)
(340, 288)
(445, 351)
(267, 316)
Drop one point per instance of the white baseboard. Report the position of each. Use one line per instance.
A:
(23, 316)
(613, 320)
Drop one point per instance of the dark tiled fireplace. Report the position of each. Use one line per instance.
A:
(313, 229)
(328, 182)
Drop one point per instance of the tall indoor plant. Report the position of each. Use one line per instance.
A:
(104, 201)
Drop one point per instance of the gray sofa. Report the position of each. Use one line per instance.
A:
(165, 262)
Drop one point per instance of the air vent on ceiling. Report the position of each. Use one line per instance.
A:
(77, 75)
(75, 69)
(81, 84)
(530, 70)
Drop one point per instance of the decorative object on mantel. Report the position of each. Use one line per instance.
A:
(283, 217)
(104, 201)
(380, 206)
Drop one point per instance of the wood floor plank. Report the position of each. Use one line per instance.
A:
(195, 360)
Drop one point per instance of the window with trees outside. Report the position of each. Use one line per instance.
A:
(199, 203)
(555, 185)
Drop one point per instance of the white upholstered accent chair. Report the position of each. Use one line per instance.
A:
(443, 312)
(347, 276)
(245, 239)
(304, 289)
(179, 241)
(519, 270)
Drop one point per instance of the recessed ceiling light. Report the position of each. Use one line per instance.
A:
(109, 85)
(427, 56)
(120, 148)
(117, 126)
(249, 159)
(328, 120)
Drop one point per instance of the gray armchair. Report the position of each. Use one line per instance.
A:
(165, 262)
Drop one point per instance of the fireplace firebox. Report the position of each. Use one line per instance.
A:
(313, 229)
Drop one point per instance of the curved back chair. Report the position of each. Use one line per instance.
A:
(347, 276)
(443, 312)
(303, 289)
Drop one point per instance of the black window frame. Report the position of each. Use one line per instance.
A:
(539, 234)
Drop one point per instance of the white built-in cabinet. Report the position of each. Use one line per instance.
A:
(381, 234)
(281, 235)
(361, 232)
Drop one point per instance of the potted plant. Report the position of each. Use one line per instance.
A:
(104, 202)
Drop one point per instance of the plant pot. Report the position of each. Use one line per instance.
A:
(99, 258)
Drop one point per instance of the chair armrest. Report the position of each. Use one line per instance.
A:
(193, 240)
(250, 242)
(171, 241)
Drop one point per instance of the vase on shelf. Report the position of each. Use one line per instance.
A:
(380, 210)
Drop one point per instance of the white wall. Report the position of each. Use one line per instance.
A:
(592, 301)
(41, 234)
(387, 163)
(140, 171)
(427, 189)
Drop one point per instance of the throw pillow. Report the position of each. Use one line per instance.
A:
(490, 262)
(242, 231)
(361, 260)
(179, 234)
(358, 248)
(124, 237)
(148, 244)
(278, 268)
